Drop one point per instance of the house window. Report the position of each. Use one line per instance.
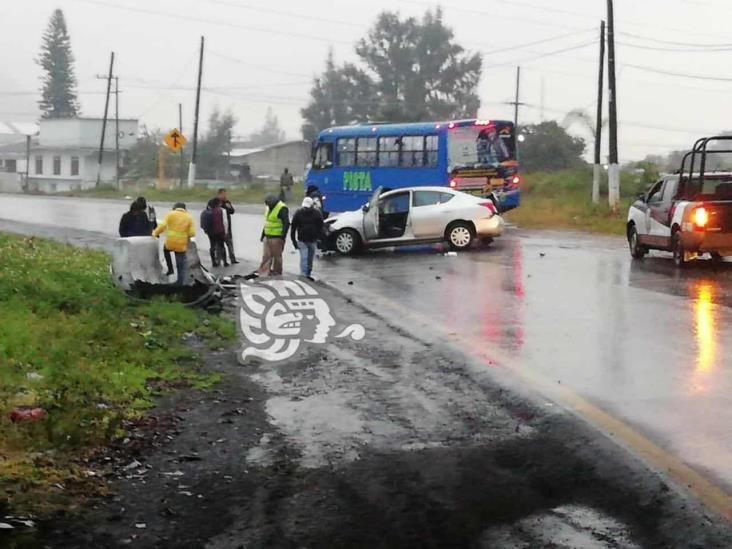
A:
(74, 165)
(11, 166)
(39, 165)
(56, 165)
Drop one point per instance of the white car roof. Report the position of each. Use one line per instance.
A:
(421, 188)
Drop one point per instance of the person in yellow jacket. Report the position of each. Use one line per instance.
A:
(179, 229)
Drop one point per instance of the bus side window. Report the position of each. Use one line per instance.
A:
(431, 148)
(347, 151)
(412, 151)
(323, 158)
(389, 151)
(366, 152)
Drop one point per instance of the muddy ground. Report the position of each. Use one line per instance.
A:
(391, 441)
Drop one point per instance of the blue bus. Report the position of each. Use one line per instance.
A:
(475, 156)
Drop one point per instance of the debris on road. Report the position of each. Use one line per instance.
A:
(136, 269)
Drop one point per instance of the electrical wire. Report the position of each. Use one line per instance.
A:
(543, 55)
(220, 22)
(674, 43)
(678, 74)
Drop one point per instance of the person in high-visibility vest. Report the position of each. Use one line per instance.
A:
(274, 234)
(179, 228)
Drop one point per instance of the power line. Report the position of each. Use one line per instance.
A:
(543, 55)
(527, 44)
(679, 75)
(678, 50)
(296, 15)
(264, 68)
(220, 22)
(674, 43)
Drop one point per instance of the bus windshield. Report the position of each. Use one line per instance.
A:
(480, 145)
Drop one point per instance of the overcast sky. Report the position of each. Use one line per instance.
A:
(264, 53)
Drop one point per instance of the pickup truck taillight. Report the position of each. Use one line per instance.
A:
(700, 218)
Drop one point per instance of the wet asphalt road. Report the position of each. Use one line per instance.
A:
(639, 340)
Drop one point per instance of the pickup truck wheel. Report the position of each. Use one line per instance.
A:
(347, 242)
(678, 250)
(716, 257)
(636, 250)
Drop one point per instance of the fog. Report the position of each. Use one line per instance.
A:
(265, 54)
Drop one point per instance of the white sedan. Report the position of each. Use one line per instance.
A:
(415, 215)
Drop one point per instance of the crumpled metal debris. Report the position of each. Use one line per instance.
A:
(137, 270)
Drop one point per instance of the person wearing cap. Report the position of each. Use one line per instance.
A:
(306, 228)
(179, 228)
(276, 227)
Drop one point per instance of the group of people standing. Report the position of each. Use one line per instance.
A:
(305, 229)
(216, 223)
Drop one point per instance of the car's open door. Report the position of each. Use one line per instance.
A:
(371, 217)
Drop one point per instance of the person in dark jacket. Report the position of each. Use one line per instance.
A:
(306, 228)
(228, 212)
(139, 221)
(314, 192)
(212, 223)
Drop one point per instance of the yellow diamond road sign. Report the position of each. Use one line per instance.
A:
(175, 140)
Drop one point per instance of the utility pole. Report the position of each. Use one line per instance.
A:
(597, 169)
(194, 155)
(614, 169)
(182, 156)
(26, 187)
(104, 120)
(116, 130)
(542, 106)
(516, 104)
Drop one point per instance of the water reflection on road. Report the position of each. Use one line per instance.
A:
(639, 339)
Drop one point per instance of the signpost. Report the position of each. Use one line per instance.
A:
(175, 140)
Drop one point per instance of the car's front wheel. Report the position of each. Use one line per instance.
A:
(460, 235)
(347, 242)
(637, 251)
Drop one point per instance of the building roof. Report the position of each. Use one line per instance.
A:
(242, 152)
(18, 128)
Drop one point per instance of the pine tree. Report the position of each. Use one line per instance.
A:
(58, 93)
(270, 133)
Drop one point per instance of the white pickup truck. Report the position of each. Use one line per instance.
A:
(687, 219)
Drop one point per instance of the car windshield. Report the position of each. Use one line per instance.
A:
(480, 145)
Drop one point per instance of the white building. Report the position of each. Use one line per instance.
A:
(65, 154)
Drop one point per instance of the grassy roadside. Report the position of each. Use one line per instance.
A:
(253, 193)
(74, 345)
(561, 200)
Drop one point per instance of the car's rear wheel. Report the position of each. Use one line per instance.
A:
(347, 242)
(460, 235)
(637, 251)
(678, 251)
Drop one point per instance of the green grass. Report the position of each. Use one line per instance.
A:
(253, 193)
(73, 344)
(562, 200)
